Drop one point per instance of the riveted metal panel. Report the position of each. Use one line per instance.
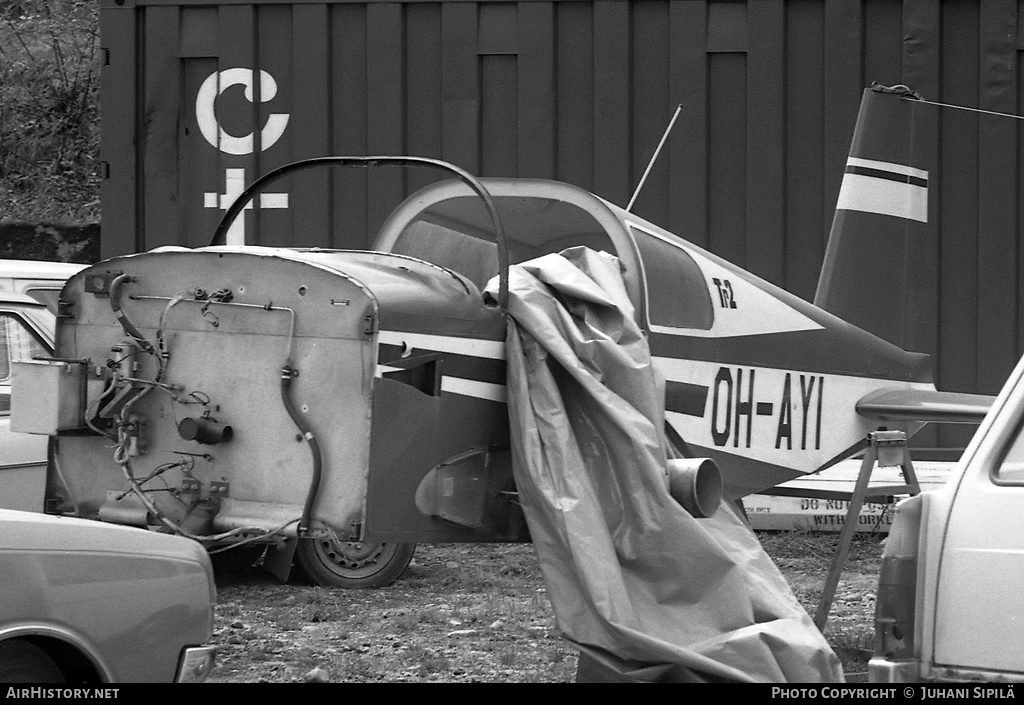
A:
(765, 172)
(581, 90)
(537, 88)
(916, 50)
(652, 105)
(998, 206)
(310, 48)
(807, 223)
(119, 189)
(613, 173)
(574, 94)
(958, 205)
(687, 208)
(424, 87)
(350, 84)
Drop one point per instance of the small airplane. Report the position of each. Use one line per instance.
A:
(342, 405)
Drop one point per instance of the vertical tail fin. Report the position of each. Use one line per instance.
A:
(881, 220)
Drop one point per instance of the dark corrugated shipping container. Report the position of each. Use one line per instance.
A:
(201, 97)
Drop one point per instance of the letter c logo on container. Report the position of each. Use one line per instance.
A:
(215, 84)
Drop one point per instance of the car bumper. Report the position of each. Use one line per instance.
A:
(196, 664)
(883, 670)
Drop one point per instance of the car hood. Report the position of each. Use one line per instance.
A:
(42, 532)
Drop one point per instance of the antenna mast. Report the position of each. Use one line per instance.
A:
(657, 151)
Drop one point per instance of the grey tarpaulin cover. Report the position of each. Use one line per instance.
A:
(637, 582)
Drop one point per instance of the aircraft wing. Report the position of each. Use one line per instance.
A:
(924, 405)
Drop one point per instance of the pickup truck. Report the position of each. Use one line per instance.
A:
(40, 280)
(949, 602)
(26, 331)
(28, 304)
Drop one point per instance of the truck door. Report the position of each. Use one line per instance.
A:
(979, 615)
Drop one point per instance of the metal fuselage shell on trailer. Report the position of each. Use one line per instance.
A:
(285, 305)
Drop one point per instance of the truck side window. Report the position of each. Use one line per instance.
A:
(46, 295)
(1011, 470)
(677, 293)
(17, 342)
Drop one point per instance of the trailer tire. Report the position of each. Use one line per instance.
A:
(352, 564)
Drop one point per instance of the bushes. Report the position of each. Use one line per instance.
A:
(49, 122)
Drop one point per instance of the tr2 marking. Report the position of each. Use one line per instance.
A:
(725, 296)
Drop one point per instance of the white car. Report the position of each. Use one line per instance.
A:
(83, 602)
(26, 331)
(949, 602)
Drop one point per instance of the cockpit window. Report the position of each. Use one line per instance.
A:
(473, 257)
(677, 294)
(457, 233)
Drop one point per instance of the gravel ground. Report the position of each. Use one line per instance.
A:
(472, 613)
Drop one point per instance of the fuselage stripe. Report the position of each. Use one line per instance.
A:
(686, 398)
(468, 366)
(464, 359)
(428, 342)
(464, 387)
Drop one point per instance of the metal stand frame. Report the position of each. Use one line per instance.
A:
(886, 449)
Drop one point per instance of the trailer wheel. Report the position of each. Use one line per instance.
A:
(353, 564)
(22, 662)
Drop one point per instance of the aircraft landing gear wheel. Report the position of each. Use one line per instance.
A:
(353, 564)
(22, 662)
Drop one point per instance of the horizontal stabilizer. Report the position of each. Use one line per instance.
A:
(924, 405)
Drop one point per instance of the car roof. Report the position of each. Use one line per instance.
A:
(37, 269)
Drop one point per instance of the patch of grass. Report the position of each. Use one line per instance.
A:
(801, 545)
(484, 567)
(430, 614)
(358, 667)
(508, 656)
(426, 660)
(285, 618)
(854, 647)
(805, 558)
(432, 663)
(323, 606)
(404, 632)
(49, 121)
(258, 652)
(404, 622)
